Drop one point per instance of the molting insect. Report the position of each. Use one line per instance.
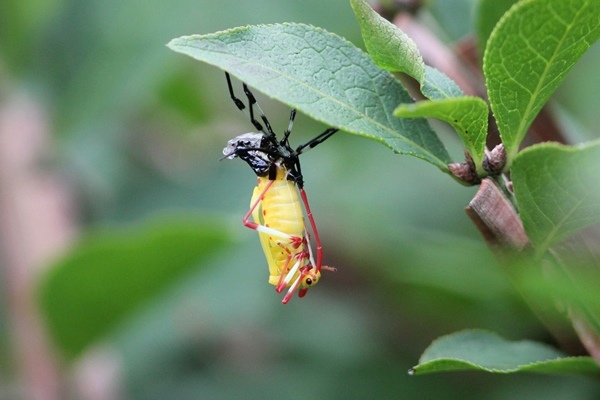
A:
(275, 207)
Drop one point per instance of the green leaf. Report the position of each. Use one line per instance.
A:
(527, 56)
(467, 115)
(556, 187)
(110, 274)
(485, 351)
(322, 75)
(389, 47)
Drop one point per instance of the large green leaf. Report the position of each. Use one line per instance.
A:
(557, 190)
(322, 75)
(111, 274)
(527, 56)
(485, 351)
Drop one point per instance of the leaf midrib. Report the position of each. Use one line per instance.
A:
(524, 121)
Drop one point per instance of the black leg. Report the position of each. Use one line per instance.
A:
(238, 103)
(318, 140)
(286, 134)
(251, 103)
(299, 179)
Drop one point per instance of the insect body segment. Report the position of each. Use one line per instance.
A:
(276, 208)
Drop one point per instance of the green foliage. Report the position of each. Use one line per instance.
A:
(392, 50)
(548, 38)
(111, 274)
(557, 190)
(485, 351)
(322, 75)
(528, 55)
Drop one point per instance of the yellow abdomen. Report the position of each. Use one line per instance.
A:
(280, 210)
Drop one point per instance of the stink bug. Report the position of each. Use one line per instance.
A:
(275, 207)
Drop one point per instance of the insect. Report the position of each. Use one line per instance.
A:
(275, 207)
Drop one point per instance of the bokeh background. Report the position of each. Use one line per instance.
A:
(126, 271)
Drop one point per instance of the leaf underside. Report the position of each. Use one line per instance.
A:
(487, 352)
(322, 75)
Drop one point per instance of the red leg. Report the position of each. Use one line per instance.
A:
(287, 275)
(246, 220)
(293, 288)
(286, 271)
(281, 284)
(314, 229)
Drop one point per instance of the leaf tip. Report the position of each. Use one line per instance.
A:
(174, 43)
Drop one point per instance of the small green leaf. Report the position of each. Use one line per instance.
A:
(528, 55)
(556, 187)
(467, 115)
(322, 75)
(485, 351)
(389, 47)
(110, 274)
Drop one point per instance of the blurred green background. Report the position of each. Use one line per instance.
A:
(167, 291)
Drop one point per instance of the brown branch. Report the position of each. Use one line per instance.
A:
(496, 219)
